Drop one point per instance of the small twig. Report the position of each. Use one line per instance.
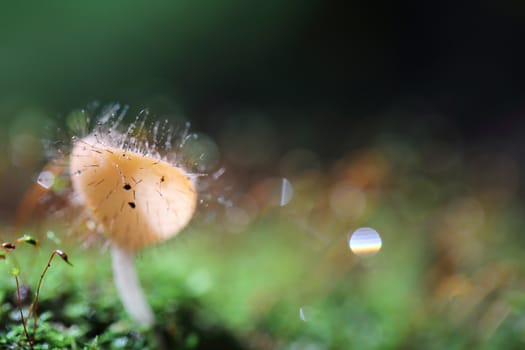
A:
(19, 300)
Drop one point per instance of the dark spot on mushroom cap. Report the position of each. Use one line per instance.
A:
(162, 178)
(127, 187)
(132, 205)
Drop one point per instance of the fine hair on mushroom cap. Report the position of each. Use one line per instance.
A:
(139, 195)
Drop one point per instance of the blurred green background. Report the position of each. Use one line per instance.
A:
(406, 118)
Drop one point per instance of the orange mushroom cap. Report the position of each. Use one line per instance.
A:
(137, 199)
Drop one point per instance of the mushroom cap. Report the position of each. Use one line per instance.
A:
(137, 199)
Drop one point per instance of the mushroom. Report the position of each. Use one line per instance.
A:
(138, 200)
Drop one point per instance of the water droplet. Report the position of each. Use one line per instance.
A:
(286, 192)
(302, 314)
(46, 179)
(306, 313)
(218, 173)
(52, 237)
(91, 225)
(365, 241)
(120, 342)
(227, 203)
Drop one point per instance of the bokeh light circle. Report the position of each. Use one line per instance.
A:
(365, 241)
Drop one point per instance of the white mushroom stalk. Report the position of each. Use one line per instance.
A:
(138, 199)
(128, 286)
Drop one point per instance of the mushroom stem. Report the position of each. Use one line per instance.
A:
(128, 286)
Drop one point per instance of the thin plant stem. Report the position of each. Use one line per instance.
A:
(35, 303)
(19, 300)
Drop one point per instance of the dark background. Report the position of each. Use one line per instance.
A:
(323, 75)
